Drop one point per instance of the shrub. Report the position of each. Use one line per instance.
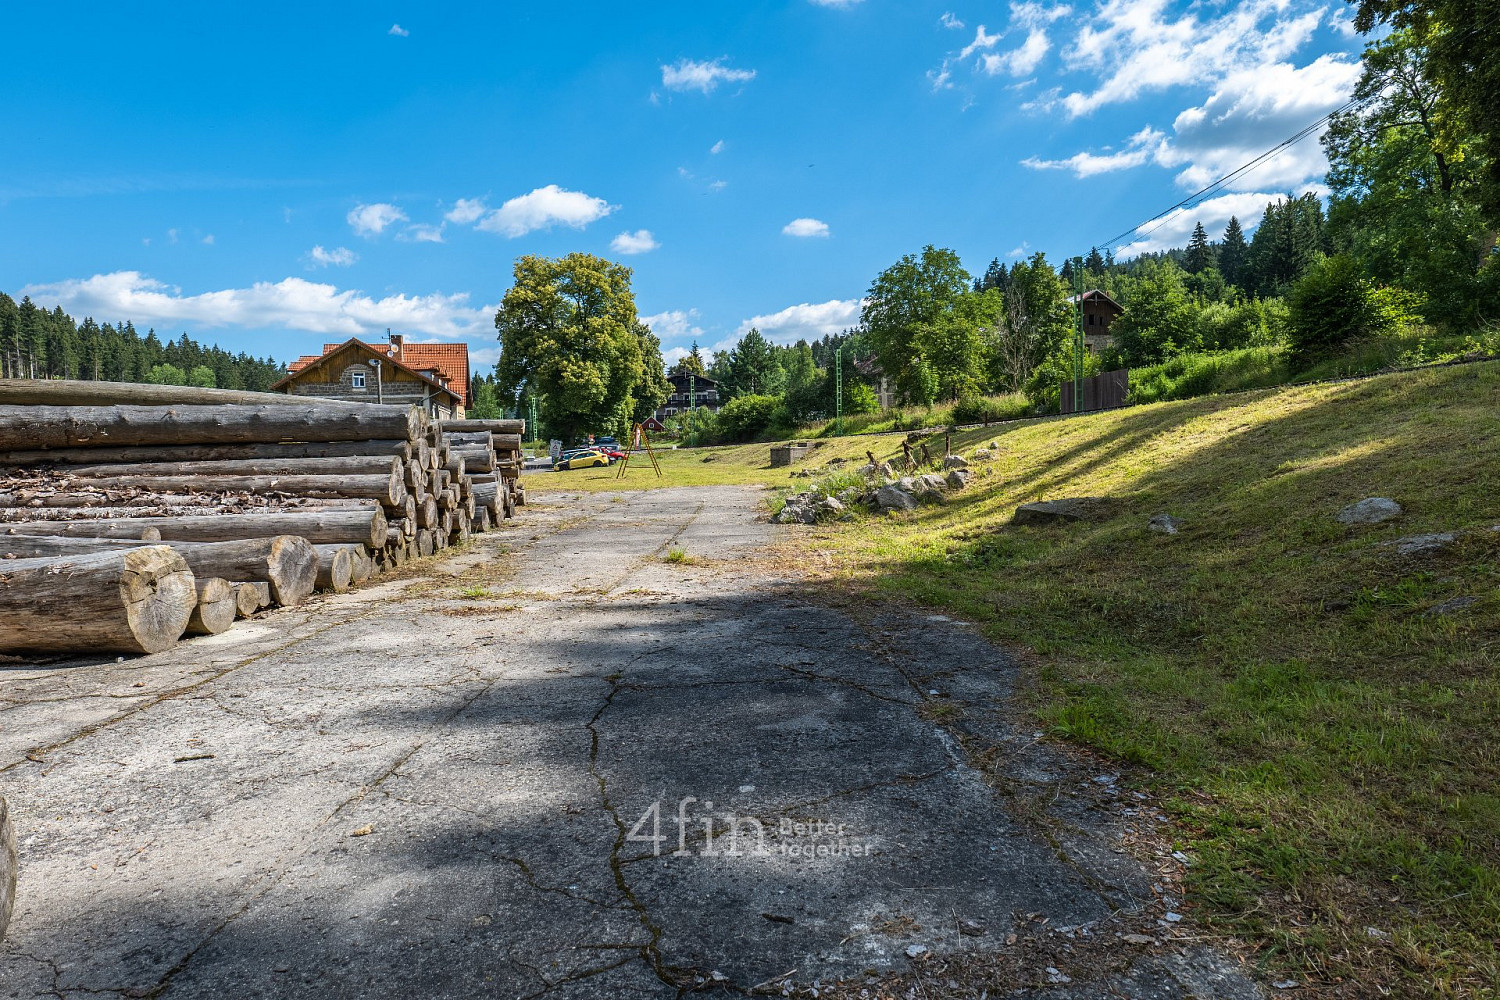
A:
(982, 409)
(745, 417)
(1332, 306)
(1044, 388)
(860, 398)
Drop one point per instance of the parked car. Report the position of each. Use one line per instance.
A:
(606, 442)
(581, 460)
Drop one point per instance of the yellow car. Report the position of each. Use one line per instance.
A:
(582, 460)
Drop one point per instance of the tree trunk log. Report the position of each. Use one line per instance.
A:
(363, 566)
(133, 600)
(212, 452)
(493, 426)
(65, 392)
(386, 489)
(335, 567)
(32, 427)
(358, 465)
(424, 541)
(251, 596)
(364, 526)
(217, 606)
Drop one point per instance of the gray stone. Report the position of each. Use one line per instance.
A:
(1419, 545)
(1052, 511)
(831, 504)
(1164, 523)
(930, 483)
(886, 471)
(959, 478)
(7, 867)
(1449, 606)
(1371, 510)
(907, 483)
(890, 498)
(955, 462)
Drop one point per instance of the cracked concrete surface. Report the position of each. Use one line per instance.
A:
(616, 777)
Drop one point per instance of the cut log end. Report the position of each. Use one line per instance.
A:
(217, 606)
(157, 588)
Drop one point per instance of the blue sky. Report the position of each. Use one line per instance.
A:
(275, 175)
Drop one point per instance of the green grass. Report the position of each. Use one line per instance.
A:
(1331, 752)
(677, 556)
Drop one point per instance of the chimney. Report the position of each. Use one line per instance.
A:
(396, 344)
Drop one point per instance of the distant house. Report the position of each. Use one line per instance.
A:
(885, 390)
(705, 396)
(433, 376)
(1099, 314)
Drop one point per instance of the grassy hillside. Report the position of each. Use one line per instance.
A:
(1331, 734)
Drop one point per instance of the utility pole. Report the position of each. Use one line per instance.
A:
(838, 389)
(531, 425)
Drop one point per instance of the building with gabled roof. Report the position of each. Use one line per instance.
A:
(433, 376)
(1099, 314)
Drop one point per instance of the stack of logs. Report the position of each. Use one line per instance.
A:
(130, 515)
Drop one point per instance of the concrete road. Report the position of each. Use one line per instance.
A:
(606, 775)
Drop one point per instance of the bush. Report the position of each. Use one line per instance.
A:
(743, 418)
(1333, 306)
(166, 375)
(986, 409)
(1044, 388)
(1189, 375)
(860, 398)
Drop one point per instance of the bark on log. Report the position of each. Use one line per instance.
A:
(478, 460)
(384, 489)
(217, 606)
(251, 596)
(8, 866)
(493, 426)
(277, 561)
(66, 392)
(133, 600)
(357, 465)
(32, 427)
(365, 525)
(335, 567)
(208, 452)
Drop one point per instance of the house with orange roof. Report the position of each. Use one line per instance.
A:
(433, 376)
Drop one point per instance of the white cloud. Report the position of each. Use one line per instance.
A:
(372, 220)
(1175, 229)
(337, 257)
(688, 74)
(808, 321)
(543, 208)
(1148, 50)
(1020, 251)
(424, 232)
(806, 228)
(717, 185)
(675, 324)
(717, 148)
(171, 236)
(640, 241)
(1141, 148)
(671, 355)
(208, 240)
(1031, 18)
(465, 211)
(951, 21)
(292, 303)
(398, 31)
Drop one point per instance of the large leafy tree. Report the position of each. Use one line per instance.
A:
(1460, 39)
(1406, 176)
(569, 333)
(913, 322)
(1035, 319)
(751, 367)
(652, 390)
(1160, 319)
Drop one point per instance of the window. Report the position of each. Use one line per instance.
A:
(357, 379)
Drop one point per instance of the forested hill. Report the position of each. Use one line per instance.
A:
(35, 343)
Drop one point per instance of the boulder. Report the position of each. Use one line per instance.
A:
(1370, 510)
(959, 478)
(1418, 545)
(867, 469)
(1052, 511)
(955, 462)
(907, 483)
(1449, 606)
(886, 472)
(890, 498)
(831, 505)
(930, 483)
(7, 867)
(1164, 523)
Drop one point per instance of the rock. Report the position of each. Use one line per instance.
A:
(1056, 976)
(971, 928)
(1371, 510)
(886, 472)
(916, 951)
(959, 478)
(1051, 511)
(837, 461)
(1418, 545)
(7, 867)
(831, 505)
(1138, 939)
(907, 483)
(1164, 523)
(889, 498)
(930, 483)
(955, 462)
(1449, 606)
(867, 469)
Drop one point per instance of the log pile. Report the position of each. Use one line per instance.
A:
(131, 515)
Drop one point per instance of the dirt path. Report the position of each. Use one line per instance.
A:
(615, 776)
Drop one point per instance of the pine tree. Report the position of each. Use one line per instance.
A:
(1200, 254)
(1232, 252)
(1094, 263)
